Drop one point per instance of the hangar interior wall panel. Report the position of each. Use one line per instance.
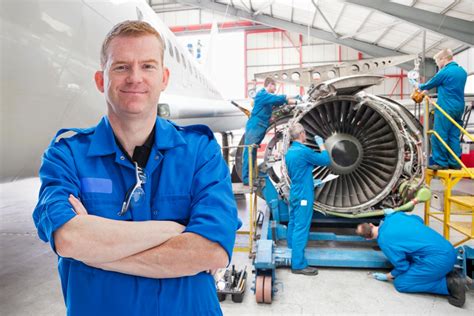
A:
(267, 51)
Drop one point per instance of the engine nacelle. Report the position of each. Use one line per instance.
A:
(375, 144)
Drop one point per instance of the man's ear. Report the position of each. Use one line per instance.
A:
(166, 77)
(371, 225)
(99, 80)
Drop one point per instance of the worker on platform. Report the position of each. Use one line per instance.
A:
(422, 259)
(300, 162)
(450, 81)
(259, 120)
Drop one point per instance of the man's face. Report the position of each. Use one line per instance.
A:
(303, 136)
(272, 88)
(441, 62)
(133, 77)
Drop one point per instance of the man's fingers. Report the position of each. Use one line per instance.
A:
(77, 205)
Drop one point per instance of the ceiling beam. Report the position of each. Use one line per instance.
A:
(409, 39)
(324, 18)
(364, 47)
(369, 30)
(264, 6)
(459, 29)
(340, 15)
(386, 29)
(450, 7)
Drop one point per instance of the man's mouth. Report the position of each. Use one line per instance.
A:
(133, 91)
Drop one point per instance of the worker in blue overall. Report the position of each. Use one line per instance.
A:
(450, 81)
(422, 259)
(300, 161)
(264, 103)
(138, 209)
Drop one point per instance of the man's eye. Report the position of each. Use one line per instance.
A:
(120, 68)
(149, 66)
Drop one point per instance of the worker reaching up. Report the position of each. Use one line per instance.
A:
(300, 161)
(422, 259)
(259, 120)
(450, 81)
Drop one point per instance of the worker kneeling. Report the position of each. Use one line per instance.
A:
(300, 161)
(423, 260)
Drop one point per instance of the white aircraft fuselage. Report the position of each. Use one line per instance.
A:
(49, 54)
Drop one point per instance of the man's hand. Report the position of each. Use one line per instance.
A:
(380, 276)
(77, 205)
(318, 140)
(416, 85)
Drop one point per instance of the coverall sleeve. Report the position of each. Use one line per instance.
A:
(398, 260)
(418, 218)
(213, 208)
(317, 159)
(434, 82)
(58, 180)
(275, 99)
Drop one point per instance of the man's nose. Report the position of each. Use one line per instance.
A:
(135, 75)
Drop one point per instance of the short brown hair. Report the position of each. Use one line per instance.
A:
(132, 29)
(268, 81)
(364, 230)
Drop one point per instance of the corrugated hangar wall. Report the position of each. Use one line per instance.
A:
(273, 49)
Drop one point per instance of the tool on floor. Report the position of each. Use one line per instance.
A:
(233, 282)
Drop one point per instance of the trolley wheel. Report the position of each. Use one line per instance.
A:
(237, 298)
(221, 297)
(267, 290)
(259, 288)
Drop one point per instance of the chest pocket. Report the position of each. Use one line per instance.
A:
(104, 206)
(172, 208)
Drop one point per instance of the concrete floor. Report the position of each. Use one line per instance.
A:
(29, 284)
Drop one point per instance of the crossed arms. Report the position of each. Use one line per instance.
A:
(153, 249)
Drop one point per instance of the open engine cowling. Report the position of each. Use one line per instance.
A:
(374, 144)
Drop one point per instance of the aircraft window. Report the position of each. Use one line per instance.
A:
(184, 61)
(170, 48)
(177, 55)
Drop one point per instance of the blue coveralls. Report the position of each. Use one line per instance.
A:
(450, 81)
(187, 182)
(257, 125)
(300, 161)
(421, 257)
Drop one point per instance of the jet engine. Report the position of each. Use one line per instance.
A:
(375, 145)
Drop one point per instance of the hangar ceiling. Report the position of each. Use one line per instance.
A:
(378, 28)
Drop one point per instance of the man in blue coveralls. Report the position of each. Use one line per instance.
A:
(137, 208)
(422, 259)
(300, 162)
(450, 81)
(259, 120)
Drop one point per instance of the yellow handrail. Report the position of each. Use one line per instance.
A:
(429, 100)
(450, 119)
(452, 153)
